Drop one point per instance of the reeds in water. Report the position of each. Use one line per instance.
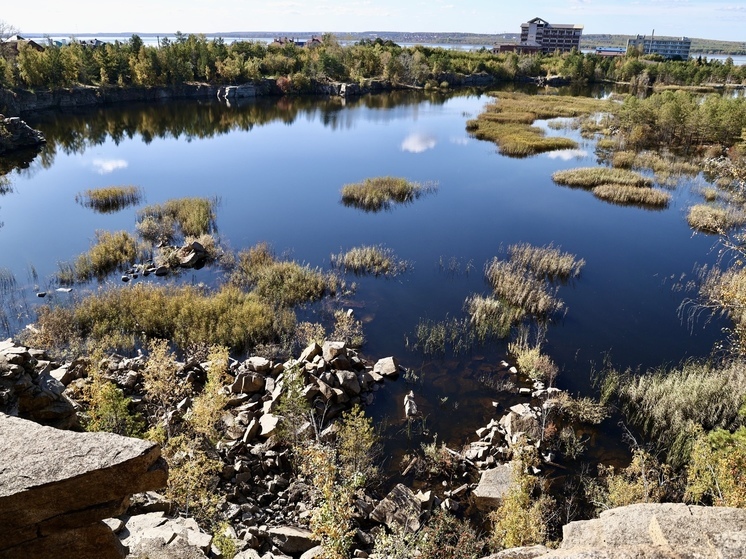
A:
(381, 193)
(110, 199)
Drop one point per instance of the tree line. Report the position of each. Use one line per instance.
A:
(194, 58)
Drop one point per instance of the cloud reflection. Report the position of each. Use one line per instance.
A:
(567, 154)
(106, 166)
(418, 142)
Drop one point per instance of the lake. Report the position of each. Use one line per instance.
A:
(277, 167)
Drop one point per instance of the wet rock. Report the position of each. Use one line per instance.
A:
(387, 367)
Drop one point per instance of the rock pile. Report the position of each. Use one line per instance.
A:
(32, 386)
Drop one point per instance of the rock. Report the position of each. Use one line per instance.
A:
(493, 486)
(63, 375)
(268, 423)
(387, 367)
(349, 382)
(248, 383)
(54, 492)
(330, 350)
(310, 352)
(527, 552)
(258, 364)
(313, 553)
(292, 540)
(410, 407)
(401, 508)
(15, 134)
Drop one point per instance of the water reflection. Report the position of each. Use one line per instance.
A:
(418, 142)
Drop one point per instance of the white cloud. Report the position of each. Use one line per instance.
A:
(418, 142)
(106, 166)
(567, 154)
(459, 141)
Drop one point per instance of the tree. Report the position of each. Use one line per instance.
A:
(7, 30)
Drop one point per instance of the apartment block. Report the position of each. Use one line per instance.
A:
(551, 37)
(667, 48)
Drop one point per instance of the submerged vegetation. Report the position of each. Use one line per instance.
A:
(381, 193)
(110, 199)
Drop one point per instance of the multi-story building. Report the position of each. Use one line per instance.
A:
(668, 48)
(551, 36)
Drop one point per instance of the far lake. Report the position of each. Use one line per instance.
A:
(277, 167)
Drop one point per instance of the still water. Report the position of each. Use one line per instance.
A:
(277, 167)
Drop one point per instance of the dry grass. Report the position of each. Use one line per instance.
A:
(670, 407)
(111, 252)
(725, 292)
(507, 121)
(632, 195)
(280, 282)
(380, 193)
(588, 177)
(110, 199)
(184, 314)
(369, 259)
(546, 262)
(158, 223)
(490, 317)
(532, 362)
(520, 288)
(714, 219)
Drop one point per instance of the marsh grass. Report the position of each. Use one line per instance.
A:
(160, 223)
(546, 261)
(491, 318)
(632, 195)
(184, 314)
(671, 407)
(507, 121)
(588, 177)
(436, 337)
(7, 281)
(282, 282)
(724, 291)
(531, 361)
(111, 251)
(370, 259)
(381, 193)
(109, 199)
(714, 219)
(520, 288)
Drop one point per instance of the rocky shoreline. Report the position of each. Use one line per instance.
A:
(60, 495)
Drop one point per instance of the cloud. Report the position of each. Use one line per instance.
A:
(459, 141)
(418, 142)
(567, 154)
(106, 166)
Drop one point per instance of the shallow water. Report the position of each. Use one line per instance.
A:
(277, 167)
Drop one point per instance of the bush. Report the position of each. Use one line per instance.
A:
(717, 472)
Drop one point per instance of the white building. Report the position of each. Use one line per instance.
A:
(551, 36)
(667, 48)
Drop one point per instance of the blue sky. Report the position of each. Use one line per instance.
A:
(711, 19)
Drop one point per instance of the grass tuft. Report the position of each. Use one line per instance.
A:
(714, 219)
(546, 262)
(588, 177)
(111, 252)
(369, 259)
(109, 199)
(380, 193)
(520, 288)
(160, 223)
(632, 195)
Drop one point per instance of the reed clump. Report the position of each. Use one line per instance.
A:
(282, 282)
(632, 195)
(490, 317)
(714, 219)
(370, 259)
(110, 199)
(672, 407)
(532, 362)
(521, 288)
(381, 193)
(588, 177)
(184, 314)
(517, 139)
(160, 223)
(546, 261)
(111, 251)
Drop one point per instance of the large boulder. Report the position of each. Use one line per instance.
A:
(56, 486)
(400, 509)
(15, 134)
(493, 486)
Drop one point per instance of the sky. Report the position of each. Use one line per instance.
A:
(707, 19)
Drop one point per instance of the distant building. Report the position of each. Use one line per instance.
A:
(551, 37)
(668, 48)
(282, 41)
(10, 46)
(520, 49)
(611, 51)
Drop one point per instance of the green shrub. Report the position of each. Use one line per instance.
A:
(717, 471)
